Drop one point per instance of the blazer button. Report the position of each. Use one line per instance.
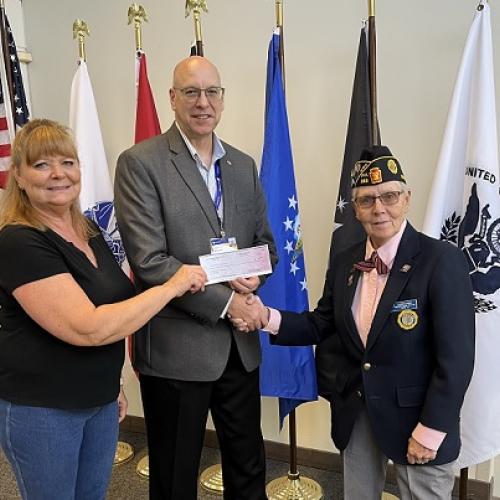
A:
(367, 367)
(359, 394)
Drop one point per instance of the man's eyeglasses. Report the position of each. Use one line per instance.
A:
(388, 199)
(192, 94)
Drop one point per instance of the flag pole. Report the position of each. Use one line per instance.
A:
(6, 75)
(462, 485)
(293, 486)
(293, 474)
(211, 478)
(124, 451)
(372, 58)
(136, 14)
(196, 6)
(292, 423)
(464, 472)
(375, 134)
(279, 24)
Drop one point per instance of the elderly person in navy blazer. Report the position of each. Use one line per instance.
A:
(397, 321)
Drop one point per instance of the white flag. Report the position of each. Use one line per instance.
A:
(464, 208)
(96, 196)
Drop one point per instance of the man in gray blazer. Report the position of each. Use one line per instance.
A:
(175, 194)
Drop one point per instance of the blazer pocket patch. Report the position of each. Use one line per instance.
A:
(411, 396)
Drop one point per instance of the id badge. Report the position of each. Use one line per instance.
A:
(226, 244)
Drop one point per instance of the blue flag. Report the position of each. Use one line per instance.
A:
(286, 372)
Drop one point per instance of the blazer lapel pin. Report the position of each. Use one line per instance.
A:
(405, 268)
(350, 279)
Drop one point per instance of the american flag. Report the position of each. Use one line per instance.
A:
(20, 107)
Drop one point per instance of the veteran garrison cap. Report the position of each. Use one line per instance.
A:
(375, 166)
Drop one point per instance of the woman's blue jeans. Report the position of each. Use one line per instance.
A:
(60, 454)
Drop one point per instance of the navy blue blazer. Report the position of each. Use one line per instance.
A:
(420, 351)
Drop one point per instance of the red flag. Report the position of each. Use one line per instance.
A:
(146, 119)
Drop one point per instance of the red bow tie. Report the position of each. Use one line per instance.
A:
(374, 262)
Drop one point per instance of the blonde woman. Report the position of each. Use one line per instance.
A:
(65, 308)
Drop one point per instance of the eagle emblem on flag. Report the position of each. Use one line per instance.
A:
(103, 214)
(478, 236)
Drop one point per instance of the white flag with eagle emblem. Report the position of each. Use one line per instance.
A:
(96, 195)
(464, 209)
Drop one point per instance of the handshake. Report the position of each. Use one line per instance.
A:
(246, 311)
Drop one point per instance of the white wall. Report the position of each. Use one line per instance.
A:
(419, 48)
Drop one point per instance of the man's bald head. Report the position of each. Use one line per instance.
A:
(193, 66)
(197, 98)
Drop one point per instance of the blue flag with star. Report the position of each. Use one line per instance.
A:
(286, 372)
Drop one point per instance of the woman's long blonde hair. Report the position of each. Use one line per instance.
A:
(39, 138)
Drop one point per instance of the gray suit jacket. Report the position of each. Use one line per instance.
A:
(166, 218)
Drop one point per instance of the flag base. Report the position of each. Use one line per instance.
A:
(294, 487)
(211, 480)
(123, 454)
(142, 468)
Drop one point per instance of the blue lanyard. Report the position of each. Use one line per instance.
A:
(218, 182)
(218, 196)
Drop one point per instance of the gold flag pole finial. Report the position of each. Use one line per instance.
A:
(137, 14)
(196, 6)
(80, 31)
(279, 13)
(371, 8)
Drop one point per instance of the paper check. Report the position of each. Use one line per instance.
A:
(227, 266)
